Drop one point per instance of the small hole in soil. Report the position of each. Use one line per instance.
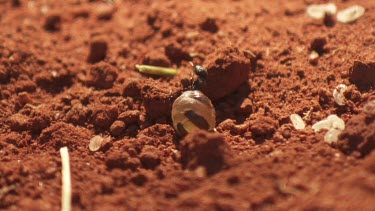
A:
(170, 195)
(328, 20)
(318, 45)
(233, 180)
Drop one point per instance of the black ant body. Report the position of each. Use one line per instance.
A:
(202, 74)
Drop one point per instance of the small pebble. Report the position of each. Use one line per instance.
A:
(117, 128)
(297, 121)
(369, 108)
(105, 11)
(338, 94)
(313, 57)
(24, 98)
(350, 14)
(318, 11)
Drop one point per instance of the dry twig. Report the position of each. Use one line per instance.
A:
(66, 195)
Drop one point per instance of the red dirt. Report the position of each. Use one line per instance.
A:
(67, 74)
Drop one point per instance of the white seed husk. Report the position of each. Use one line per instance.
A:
(332, 135)
(338, 94)
(297, 122)
(321, 125)
(350, 14)
(332, 121)
(334, 124)
(319, 11)
(96, 143)
(338, 124)
(333, 117)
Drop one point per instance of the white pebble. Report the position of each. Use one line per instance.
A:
(338, 94)
(297, 122)
(95, 143)
(318, 11)
(313, 57)
(350, 14)
(370, 108)
(332, 135)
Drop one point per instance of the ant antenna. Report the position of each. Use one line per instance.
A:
(192, 76)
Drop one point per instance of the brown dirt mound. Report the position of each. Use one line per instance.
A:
(67, 74)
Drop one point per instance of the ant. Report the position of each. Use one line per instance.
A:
(202, 74)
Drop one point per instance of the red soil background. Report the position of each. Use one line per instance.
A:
(67, 73)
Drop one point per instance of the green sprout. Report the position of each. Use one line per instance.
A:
(155, 70)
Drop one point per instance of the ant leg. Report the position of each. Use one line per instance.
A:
(199, 83)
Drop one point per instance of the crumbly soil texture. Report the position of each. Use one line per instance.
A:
(67, 74)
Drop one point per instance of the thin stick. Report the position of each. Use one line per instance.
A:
(155, 70)
(66, 194)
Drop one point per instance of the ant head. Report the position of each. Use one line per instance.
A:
(202, 74)
(200, 71)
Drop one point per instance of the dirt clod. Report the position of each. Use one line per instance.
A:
(263, 126)
(226, 63)
(209, 25)
(101, 75)
(204, 149)
(104, 115)
(24, 98)
(117, 128)
(67, 74)
(359, 135)
(132, 88)
(149, 157)
(121, 160)
(156, 58)
(62, 134)
(52, 22)
(4, 74)
(97, 50)
(18, 122)
(318, 45)
(158, 100)
(129, 117)
(362, 74)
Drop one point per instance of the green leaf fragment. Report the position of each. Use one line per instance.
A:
(155, 70)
